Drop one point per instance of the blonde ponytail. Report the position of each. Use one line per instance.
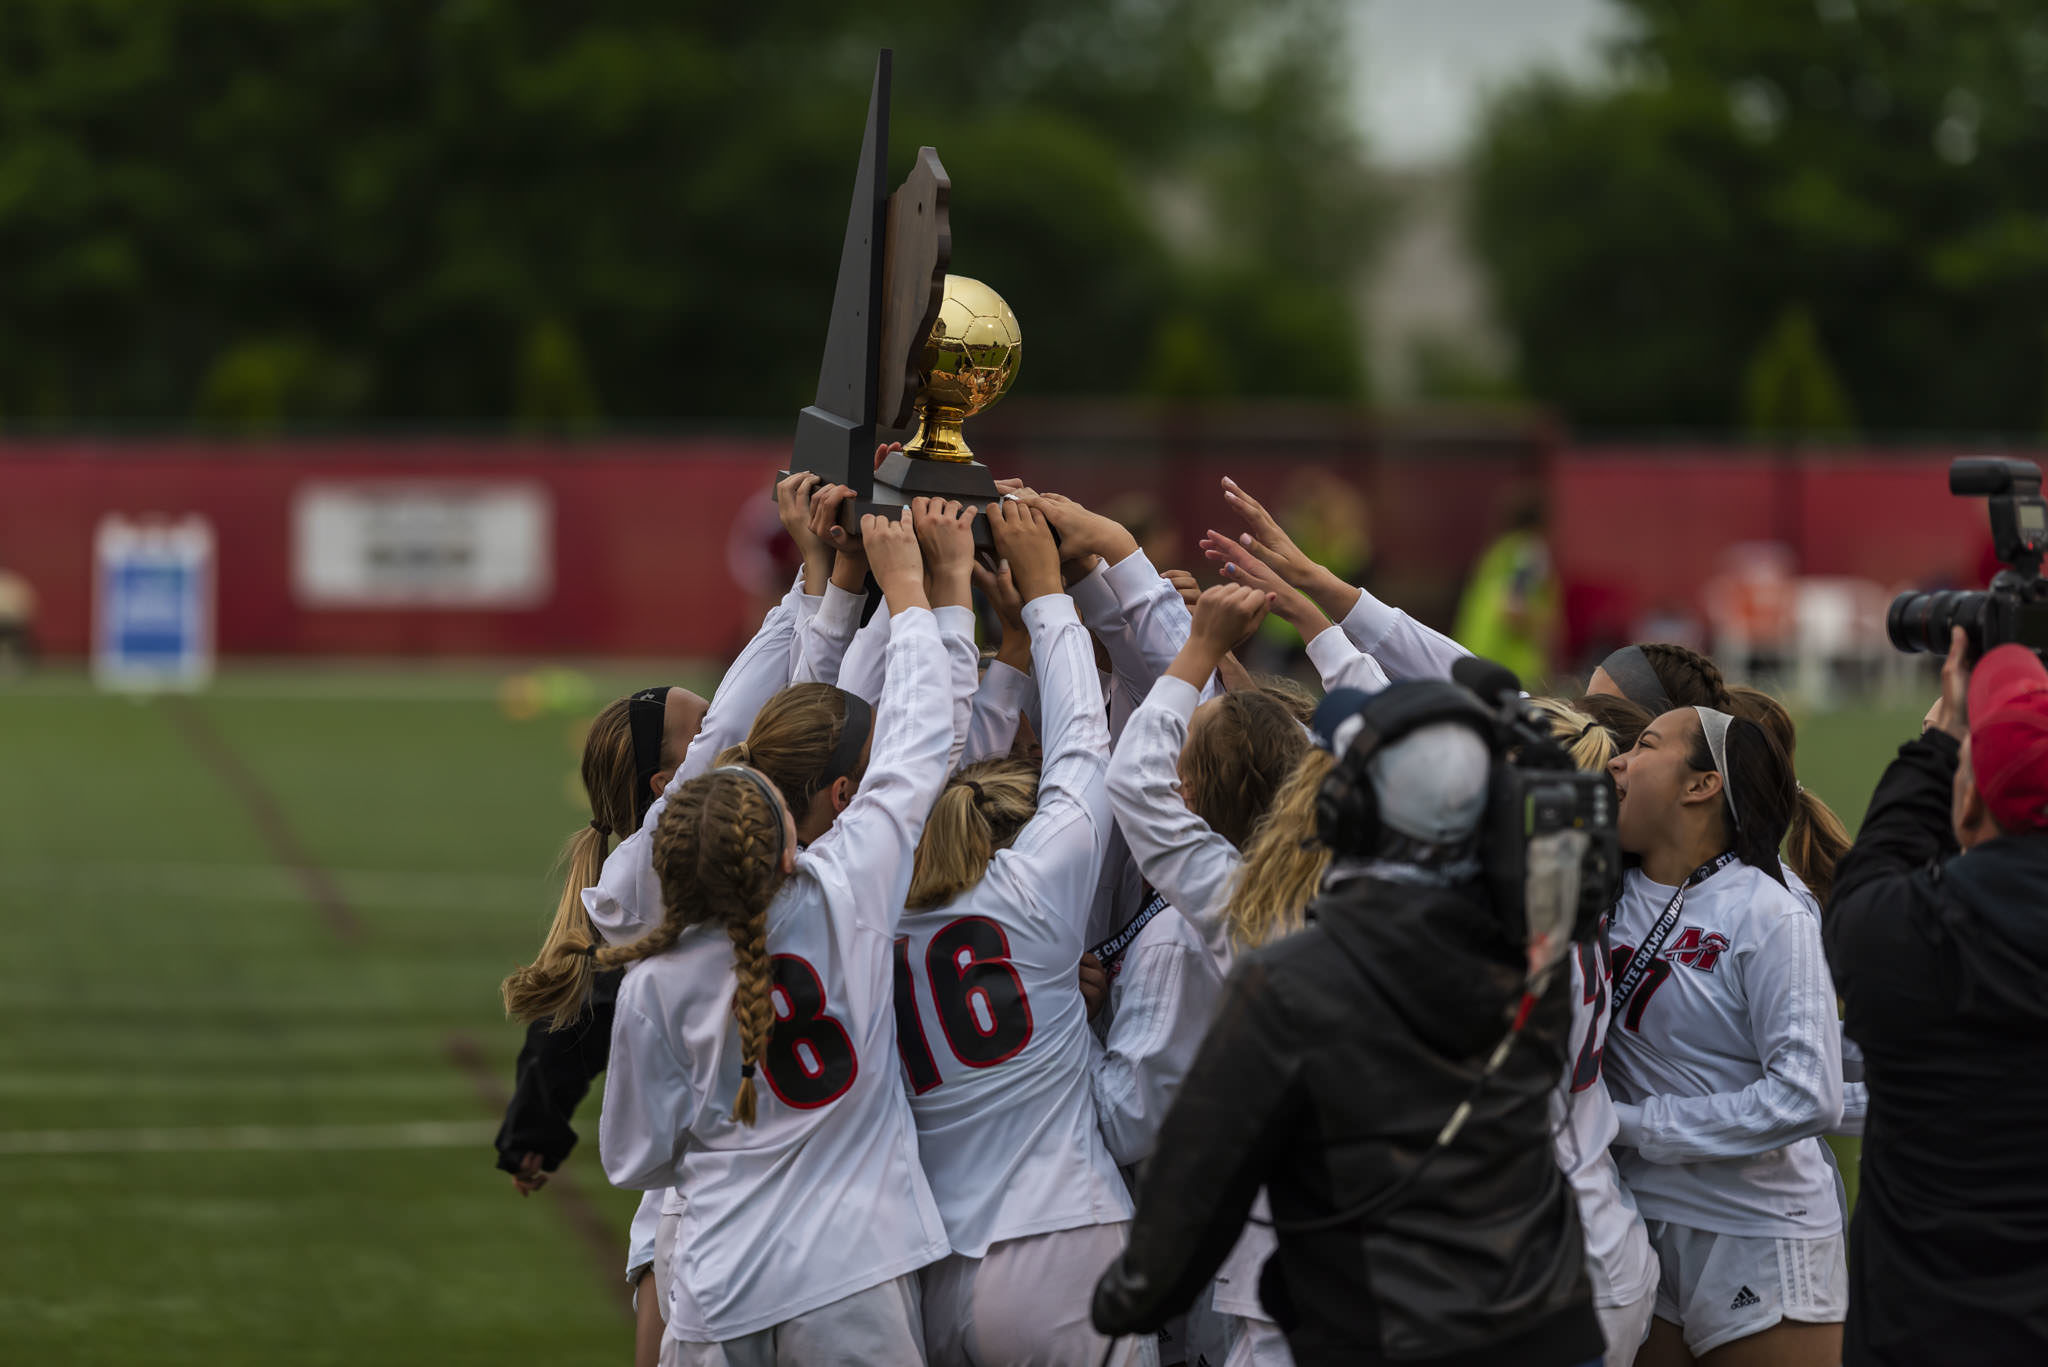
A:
(557, 983)
(1283, 864)
(979, 812)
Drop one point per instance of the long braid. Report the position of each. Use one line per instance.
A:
(753, 1003)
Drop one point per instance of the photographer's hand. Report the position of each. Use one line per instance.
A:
(1950, 712)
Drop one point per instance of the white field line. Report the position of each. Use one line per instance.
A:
(421, 1134)
(273, 883)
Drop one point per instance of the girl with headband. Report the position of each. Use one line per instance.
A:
(754, 1067)
(1723, 1054)
(991, 1025)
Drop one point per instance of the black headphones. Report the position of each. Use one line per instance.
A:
(1347, 808)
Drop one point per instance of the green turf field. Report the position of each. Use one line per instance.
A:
(248, 939)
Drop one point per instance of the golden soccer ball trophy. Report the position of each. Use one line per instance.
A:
(967, 362)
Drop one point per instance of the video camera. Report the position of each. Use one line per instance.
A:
(1543, 815)
(1538, 794)
(2015, 607)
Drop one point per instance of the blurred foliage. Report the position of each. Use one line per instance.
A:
(473, 209)
(1791, 391)
(1873, 163)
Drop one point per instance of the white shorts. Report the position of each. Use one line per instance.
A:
(1718, 1288)
(1624, 1327)
(881, 1325)
(1025, 1303)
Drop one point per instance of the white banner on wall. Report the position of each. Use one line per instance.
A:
(422, 543)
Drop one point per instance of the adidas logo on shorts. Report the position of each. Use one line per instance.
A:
(1744, 1299)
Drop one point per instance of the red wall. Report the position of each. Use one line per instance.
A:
(644, 531)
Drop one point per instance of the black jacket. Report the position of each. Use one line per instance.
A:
(554, 1073)
(1336, 1057)
(1942, 963)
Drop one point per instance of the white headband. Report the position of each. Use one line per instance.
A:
(1715, 725)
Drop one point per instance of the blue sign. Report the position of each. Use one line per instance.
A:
(153, 603)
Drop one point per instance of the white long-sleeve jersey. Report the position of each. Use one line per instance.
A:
(1341, 664)
(998, 708)
(1405, 648)
(823, 1196)
(1180, 855)
(1619, 1259)
(625, 902)
(822, 641)
(1727, 1062)
(993, 1030)
(1163, 993)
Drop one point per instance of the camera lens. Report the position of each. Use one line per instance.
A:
(1922, 621)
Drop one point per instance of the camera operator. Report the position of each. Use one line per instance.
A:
(1938, 938)
(1336, 1060)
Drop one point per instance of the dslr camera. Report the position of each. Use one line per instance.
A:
(2015, 607)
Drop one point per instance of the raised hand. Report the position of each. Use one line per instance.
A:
(850, 562)
(1265, 539)
(898, 565)
(1228, 613)
(1084, 533)
(945, 534)
(1224, 616)
(1000, 588)
(1024, 540)
(793, 506)
(883, 452)
(1184, 584)
(1238, 565)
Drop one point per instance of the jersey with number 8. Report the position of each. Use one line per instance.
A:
(990, 1021)
(823, 1196)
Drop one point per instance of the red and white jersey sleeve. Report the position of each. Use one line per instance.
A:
(1727, 1062)
(994, 1034)
(625, 903)
(823, 1196)
(823, 639)
(1405, 648)
(1181, 855)
(1162, 996)
(1619, 1259)
(1342, 664)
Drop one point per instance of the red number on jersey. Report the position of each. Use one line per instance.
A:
(1586, 1071)
(810, 1061)
(918, 1064)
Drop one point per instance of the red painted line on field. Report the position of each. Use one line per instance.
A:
(601, 1240)
(266, 812)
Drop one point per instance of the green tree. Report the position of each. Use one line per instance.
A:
(1877, 160)
(402, 187)
(1790, 390)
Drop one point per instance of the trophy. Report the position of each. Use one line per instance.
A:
(904, 336)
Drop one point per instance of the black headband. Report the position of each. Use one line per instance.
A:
(768, 796)
(1632, 673)
(647, 716)
(853, 738)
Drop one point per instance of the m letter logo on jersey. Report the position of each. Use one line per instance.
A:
(1698, 949)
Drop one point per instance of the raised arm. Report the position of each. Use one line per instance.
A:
(1006, 687)
(823, 641)
(1064, 841)
(1181, 856)
(1404, 647)
(1792, 1020)
(625, 903)
(945, 538)
(869, 849)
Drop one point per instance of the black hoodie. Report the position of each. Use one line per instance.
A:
(1942, 962)
(1337, 1056)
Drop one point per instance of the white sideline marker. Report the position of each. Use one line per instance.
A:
(419, 1134)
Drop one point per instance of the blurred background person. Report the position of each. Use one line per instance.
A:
(1509, 610)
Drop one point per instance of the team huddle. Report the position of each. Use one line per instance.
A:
(920, 942)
